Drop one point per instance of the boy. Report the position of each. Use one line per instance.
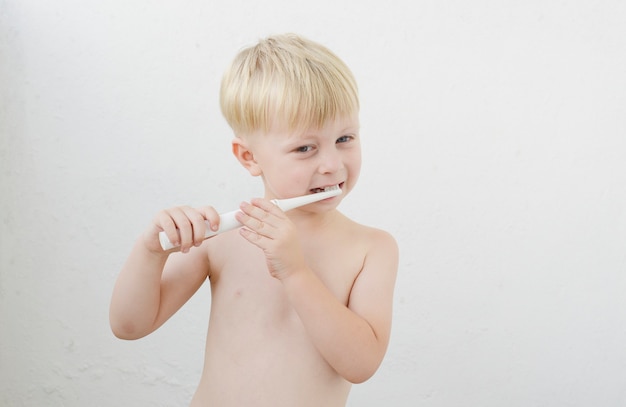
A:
(301, 301)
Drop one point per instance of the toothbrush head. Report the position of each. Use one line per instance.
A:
(291, 203)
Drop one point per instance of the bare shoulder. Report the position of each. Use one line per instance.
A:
(377, 240)
(379, 252)
(381, 239)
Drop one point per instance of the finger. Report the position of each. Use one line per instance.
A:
(211, 215)
(163, 221)
(250, 235)
(198, 225)
(264, 210)
(255, 219)
(268, 206)
(184, 226)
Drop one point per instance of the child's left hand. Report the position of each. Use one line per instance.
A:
(267, 227)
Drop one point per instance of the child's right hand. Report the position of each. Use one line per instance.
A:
(184, 226)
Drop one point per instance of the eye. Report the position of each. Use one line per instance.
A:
(304, 149)
(345, 139)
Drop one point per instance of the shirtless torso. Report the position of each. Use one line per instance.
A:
(297, 341)
(257, 350)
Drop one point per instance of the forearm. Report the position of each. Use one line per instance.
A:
(136, 295)
(347, 341)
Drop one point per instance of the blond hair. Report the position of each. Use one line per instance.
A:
(288, 79)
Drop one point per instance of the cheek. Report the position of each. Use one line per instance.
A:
(354, 168)
(287, 177)
(296, 175)
(355, 161)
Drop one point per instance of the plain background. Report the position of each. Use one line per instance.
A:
(494, 137)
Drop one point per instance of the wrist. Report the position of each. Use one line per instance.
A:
(151, 251)
(297, 277)
(150, 242)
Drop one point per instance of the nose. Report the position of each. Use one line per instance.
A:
(330, 161)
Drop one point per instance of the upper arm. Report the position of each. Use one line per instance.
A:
(372, 293)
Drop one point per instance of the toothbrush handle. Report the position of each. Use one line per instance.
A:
(227, 222)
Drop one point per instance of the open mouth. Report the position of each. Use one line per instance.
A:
(325, 189)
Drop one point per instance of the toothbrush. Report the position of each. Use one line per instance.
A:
(228, 221)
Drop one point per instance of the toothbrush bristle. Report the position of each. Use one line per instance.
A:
(326, 189)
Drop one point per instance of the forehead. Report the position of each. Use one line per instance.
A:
(335, 126)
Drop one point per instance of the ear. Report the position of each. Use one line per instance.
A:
(242, 151)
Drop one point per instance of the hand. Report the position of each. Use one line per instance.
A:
(267, 227)
(183, 225)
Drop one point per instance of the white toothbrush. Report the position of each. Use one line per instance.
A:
(228, 221)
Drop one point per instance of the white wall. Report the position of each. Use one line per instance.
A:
(495, 151)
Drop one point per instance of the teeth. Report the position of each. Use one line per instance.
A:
(331, 188)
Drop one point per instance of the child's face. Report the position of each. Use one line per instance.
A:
(294, 164)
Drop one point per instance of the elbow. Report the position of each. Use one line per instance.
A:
(124, 326)
(361, 373)
(359, 377)
(123, 334)
(127, 331)
(120, 334)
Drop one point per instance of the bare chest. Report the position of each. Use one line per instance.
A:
(254, 332)
(239, 271)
